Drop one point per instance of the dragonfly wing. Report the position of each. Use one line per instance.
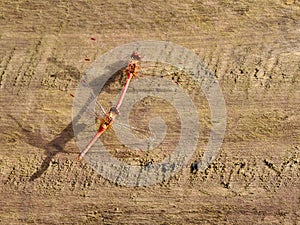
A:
(135, 138)
(85, 84)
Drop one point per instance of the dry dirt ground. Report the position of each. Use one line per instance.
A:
(253, 47)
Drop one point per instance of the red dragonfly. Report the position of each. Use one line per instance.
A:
(109, 117)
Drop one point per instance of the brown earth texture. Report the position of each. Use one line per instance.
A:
(251, 47)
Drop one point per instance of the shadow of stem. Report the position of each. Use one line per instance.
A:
(52, 148)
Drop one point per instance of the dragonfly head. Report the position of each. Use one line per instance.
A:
(136, 56)
(114, 112)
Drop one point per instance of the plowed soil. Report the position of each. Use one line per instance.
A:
(252, 47)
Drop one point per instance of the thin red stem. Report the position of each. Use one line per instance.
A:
(130, 75)
(98, 134)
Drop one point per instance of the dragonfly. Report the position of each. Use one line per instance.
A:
(107, 119)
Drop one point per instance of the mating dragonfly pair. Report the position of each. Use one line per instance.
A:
(107, 119)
